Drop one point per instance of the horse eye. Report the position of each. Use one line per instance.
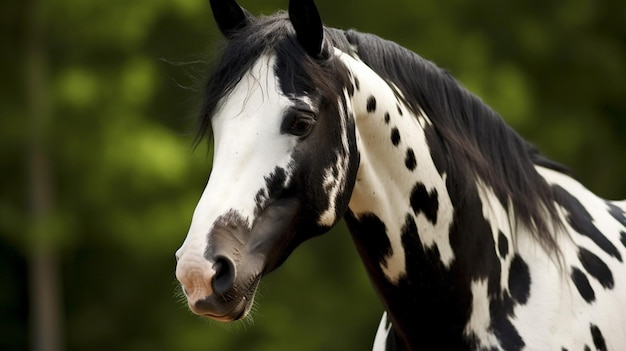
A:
(300, 124)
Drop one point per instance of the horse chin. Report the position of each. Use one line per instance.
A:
(240, 310)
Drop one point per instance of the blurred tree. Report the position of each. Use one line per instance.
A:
(117, 83)
(45, 317)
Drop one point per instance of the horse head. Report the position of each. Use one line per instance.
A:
(284, 162)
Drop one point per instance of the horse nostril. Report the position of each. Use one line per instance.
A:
(224, 275)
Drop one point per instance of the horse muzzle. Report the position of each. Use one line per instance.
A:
(220, 282)
(215, 290)
(220, 273)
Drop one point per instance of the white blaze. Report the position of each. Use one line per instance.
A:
(248, 148)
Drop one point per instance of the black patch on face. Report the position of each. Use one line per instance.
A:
(395, 136)
(259, 200)
(623, 238)
(582, 284)
(423, 201)
(503, 245)
(617, 213)
(409, 161)
(582, 222)
(598, 339)
(519, 280)
(371, 104)
(357, 85)
(387, 117)
(229, 230)
(399, 110)
(587, 348)
(275, 183)
(596, 268)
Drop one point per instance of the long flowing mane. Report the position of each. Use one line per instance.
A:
(475, 142)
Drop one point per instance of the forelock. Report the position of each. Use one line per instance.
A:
(298, 73)
(236, 58)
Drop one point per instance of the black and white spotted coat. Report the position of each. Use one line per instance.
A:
(520, 295)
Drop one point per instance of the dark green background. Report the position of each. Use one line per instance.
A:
(98, 178)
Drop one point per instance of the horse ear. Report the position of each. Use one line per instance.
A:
(308, 25)
(230, 17)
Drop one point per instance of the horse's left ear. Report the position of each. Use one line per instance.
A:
(309, 28)
(230, 17)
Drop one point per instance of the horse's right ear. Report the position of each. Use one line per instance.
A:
(230, 17)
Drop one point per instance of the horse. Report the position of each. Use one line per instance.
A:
(471, 238)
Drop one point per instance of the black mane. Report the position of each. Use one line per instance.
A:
(475, 140)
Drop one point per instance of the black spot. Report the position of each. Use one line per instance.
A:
(357, 85)
(582, 222)
(423, 201)
(409, 294)
(500, 311)
(519, 280)
(387, 118)
(376, 244)
(371, 104)
(587, 348)
(598, 339)
(399, 110)
(596, 267)
(395, 136)
(623, 238)
(410, 160)
(582, 284)
(617, 213)
(503, 245)
(509, 337)
(563, 349)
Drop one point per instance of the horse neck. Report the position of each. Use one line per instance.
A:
(406, 224)
(397, 177)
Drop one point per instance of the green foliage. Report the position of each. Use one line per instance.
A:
(122, 82)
